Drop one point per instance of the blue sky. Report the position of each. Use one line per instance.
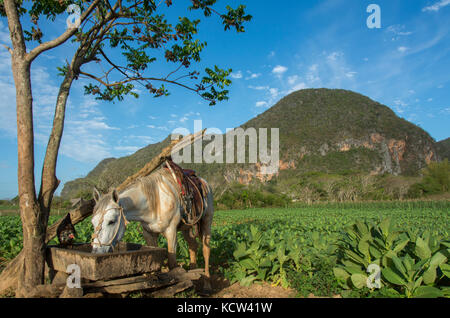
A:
(289, 45)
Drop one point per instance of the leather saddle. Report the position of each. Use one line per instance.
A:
(192, 192)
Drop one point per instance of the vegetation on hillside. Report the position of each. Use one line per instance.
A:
(443, 148)
(315, 126)
(436, 180)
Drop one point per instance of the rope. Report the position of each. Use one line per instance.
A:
(99, 227)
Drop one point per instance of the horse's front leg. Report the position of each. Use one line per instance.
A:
(171, 236)
(150, 238)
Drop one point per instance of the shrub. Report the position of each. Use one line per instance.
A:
(436, 179)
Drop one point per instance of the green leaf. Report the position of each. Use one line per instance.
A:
(241, 251)
(422, 249)
(375, 252)
(429, 276)
(247, 281)
(427, 292)
(385, 226)
(418, 282)
(363, 247)
(248, 264)
(445, 268)
(401, 245)
(438, 259)
(341, 273)
(399, 266)
(359, 280)
(265, 262)
(355, 257)
(392, 277)
(362, 228)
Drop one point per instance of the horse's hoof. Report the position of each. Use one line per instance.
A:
(205, 292)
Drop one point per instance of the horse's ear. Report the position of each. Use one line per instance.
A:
(96, 194)
(115, 196)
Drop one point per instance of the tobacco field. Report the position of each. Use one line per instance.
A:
(380, 249)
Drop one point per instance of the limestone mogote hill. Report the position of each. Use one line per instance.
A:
(329, 131)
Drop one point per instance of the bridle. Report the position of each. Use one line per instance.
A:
(99, 227)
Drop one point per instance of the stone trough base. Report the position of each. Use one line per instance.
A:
(129, 269)
(153, 284)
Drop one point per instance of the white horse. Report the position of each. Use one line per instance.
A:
(155, 202)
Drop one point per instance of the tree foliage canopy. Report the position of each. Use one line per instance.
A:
(128, 38)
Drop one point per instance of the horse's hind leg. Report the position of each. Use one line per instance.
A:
(205, 235)
(193, 248)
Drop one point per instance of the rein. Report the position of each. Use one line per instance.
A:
(99, 227)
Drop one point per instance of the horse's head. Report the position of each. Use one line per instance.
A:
(109, 222)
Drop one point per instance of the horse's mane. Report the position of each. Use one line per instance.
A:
(102, 203)
(150, 186)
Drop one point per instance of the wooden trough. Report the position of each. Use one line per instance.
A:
(131, 267)
(128, 259)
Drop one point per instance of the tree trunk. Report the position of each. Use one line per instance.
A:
(30, 213)
(49, 182)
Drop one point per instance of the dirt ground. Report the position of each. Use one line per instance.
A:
(223, 289)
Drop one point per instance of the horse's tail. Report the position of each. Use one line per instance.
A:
(208, 208)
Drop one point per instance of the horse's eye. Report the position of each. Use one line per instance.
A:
(111, 222)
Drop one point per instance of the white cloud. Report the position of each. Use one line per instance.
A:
(293, 79)
(127, 149)
(183, 119)
(8, 91)
(271, 54)
(237, 75)
(402, 49)
(253, 76)
(279, 70)
(312, 76)
(274, 92)
(400, 106)
(261, 104)
(437, 6)
(85, 132)
(4, 35)
(397, 31)
(298, 87)
(334, 56)
(259, 88)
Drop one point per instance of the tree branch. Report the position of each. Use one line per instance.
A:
(8, 48)
(62, 38)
